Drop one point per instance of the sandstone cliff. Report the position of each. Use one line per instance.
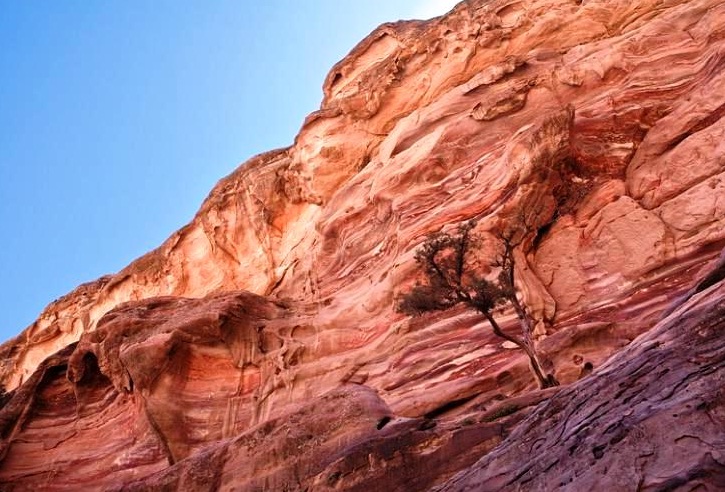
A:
(259, 348)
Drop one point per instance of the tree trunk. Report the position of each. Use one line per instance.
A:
(544, 381)
(528, 340)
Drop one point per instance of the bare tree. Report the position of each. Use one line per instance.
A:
(451, 279)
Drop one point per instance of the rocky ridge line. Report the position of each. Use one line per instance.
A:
(601, 119)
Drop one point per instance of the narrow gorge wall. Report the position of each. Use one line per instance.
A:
(248, 330)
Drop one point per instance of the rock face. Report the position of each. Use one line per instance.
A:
(259, 348)
(651, 418)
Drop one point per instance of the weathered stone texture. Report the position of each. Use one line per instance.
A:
(259, 346)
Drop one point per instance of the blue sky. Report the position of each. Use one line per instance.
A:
(117, 117)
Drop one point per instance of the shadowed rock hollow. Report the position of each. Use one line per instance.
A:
(259, 348)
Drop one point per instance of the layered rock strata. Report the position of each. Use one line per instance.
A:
(651, 418)
(221, 358)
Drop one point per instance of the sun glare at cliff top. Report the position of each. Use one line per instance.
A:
(117, 118)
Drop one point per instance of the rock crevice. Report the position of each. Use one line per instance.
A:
(259, 346)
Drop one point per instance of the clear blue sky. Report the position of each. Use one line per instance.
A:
(117, 117)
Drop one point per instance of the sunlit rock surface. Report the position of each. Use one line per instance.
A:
(259, 347)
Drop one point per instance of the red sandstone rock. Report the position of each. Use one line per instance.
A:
(651, 418)
(602, 120)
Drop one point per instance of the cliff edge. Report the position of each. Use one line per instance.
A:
(259, 348)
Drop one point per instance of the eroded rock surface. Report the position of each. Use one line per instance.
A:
(600, 121)
(651, 418)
